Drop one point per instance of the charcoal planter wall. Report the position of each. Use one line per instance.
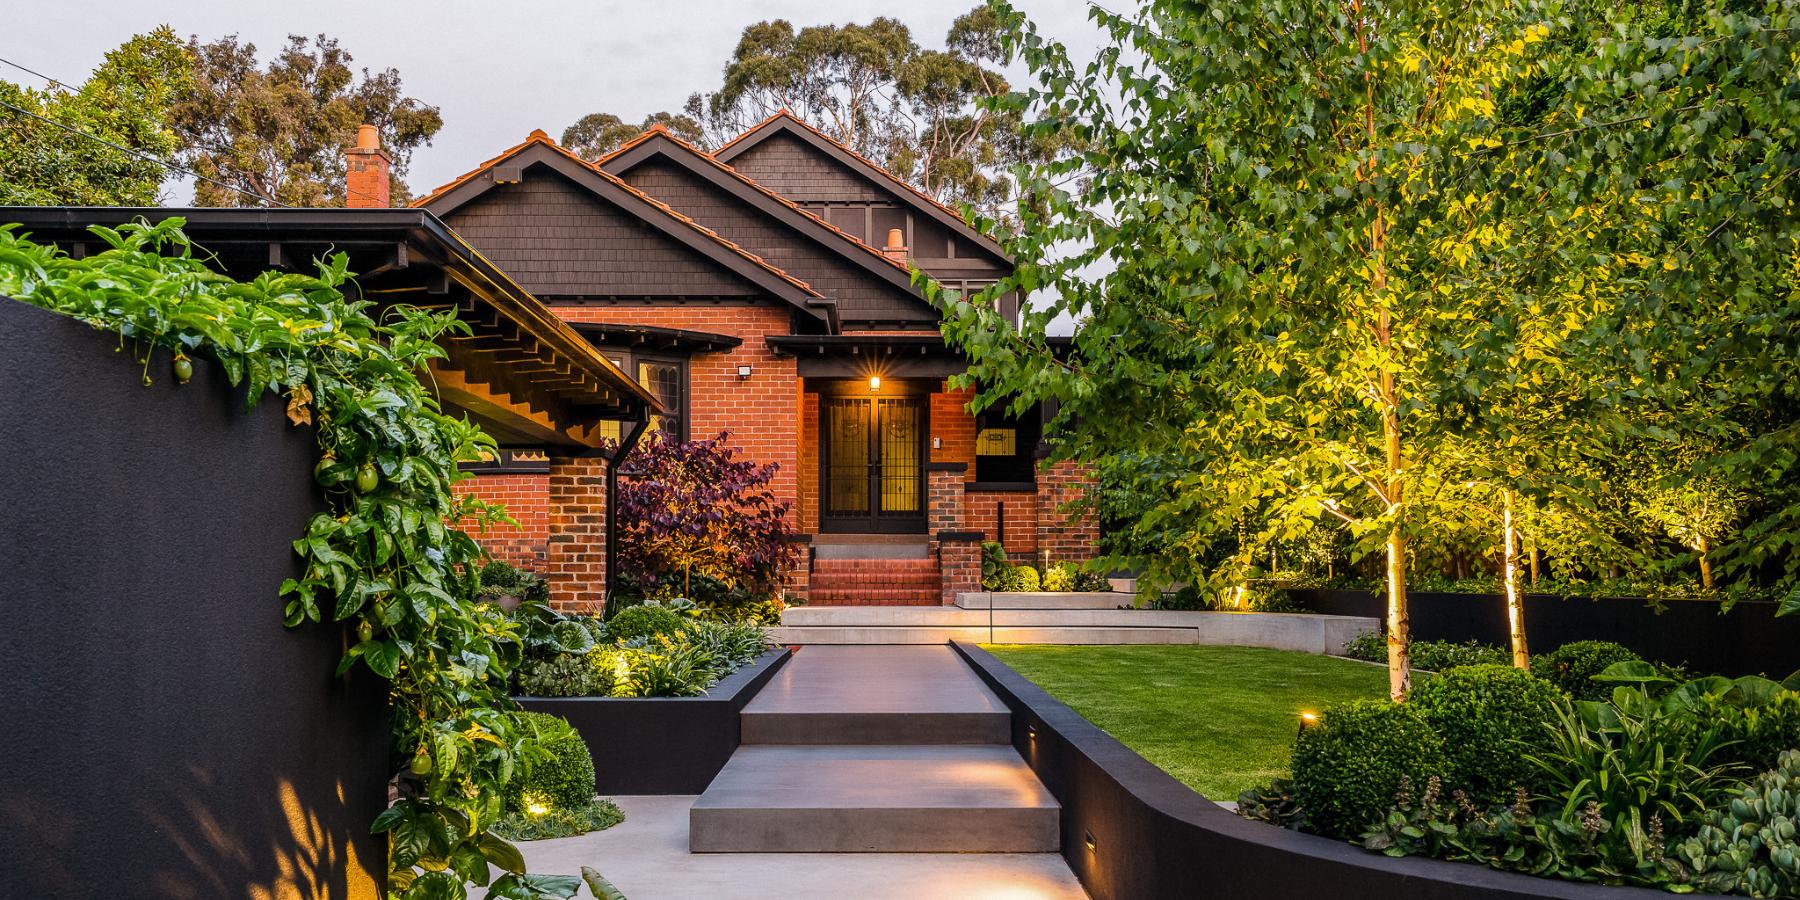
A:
(1153, 838)
(166, 735)
(1748, 640)
(662, 745)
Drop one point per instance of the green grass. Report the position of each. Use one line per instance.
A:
(1220, 719)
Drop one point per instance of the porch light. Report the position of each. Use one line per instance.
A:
(874, 382)
(743, 373)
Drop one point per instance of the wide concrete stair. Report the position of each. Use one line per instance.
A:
(1063, 619)
(875, 582)
(875, 750)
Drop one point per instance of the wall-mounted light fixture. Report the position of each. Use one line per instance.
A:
(743, 373)
(1089, 835)
(874, 382)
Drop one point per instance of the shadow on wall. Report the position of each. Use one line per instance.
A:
(167, 736)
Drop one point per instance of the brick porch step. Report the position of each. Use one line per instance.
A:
(875, 582)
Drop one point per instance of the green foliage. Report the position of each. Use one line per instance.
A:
(124, 102)
(1634, 757)
(278, 133)
(1760, 729)
(1351, 763)
(1022, 579)
(568, 675)
(597, 134)
(668, 668)
(1060, 577)
(1489, 717)
(383, 557)
(644, 620)
(996, 571)
(1276, 804)
(1749, 846)
(596, 815)
(1432, 656)
(562, 780)
(1572, 667)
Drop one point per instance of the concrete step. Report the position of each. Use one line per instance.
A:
(891, 634)
(1008, 600)
(875, 695)
(908, 799)
(956, 616)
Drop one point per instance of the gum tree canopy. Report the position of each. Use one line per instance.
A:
(1337, 281)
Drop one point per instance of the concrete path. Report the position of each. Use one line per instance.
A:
(881, 749)
(647, 858)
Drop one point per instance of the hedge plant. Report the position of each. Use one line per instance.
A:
(1572, 667)
(563, 781)
(382, 559)
(1349, 766)
(1490, 718)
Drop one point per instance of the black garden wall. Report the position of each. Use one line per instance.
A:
(662, 745)
(165, 735)
(1748, 640)
(1153, 838)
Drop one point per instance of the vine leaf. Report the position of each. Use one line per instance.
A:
(600, 886)
(299, 408)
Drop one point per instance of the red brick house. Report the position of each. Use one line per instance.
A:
(764, 290)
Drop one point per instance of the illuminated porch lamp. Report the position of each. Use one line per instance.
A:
(874, 383)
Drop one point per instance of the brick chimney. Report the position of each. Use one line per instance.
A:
(367, 182)
(896, 249)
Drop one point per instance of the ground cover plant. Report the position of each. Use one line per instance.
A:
(555, 799)
(382, 560)
(1219, 719)
(1664, 782)
(653, 649)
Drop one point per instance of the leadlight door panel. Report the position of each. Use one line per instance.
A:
(874, 465)
(900, 469)
(848, 436)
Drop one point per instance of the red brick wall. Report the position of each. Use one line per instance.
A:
(527, 499)
(944, 496)
(760, 412)
(959, 567)
(1021, 520)
(809, 463)
(954, 427)
(1062, 535)
(575, 558)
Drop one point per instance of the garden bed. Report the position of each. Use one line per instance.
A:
(662, 745)
(1131, 831)
(1747, 640)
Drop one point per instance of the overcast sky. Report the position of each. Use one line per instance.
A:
(497, 70)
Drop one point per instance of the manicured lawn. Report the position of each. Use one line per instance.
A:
(1220, 719)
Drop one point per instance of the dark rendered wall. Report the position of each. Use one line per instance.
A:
(1153, 838)
(1748, 640)
(165, 735)
(663, 745)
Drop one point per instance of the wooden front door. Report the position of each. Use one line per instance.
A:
(874, 465)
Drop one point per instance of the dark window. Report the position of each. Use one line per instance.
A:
(1006, 445)
(664, 380)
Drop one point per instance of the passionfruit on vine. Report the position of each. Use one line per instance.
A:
(184, 369)
(365, 631)
(421, 761)
(367, 478)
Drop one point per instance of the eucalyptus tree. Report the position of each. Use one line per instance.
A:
(1333, 270)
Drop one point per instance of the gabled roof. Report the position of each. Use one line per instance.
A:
(658, 143)
(539, 149)
(786, 123)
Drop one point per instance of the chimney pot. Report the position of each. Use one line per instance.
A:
(366, 182)
(896, 245)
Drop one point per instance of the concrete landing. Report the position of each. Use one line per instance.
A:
(647, 857)
(887, 799)
(1069, 600)
(934, 625)
(875, 695)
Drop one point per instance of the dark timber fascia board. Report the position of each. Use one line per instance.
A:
(686, 233)
(782, 124)
(693, 161)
